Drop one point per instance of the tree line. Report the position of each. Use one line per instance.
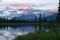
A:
(39, 20)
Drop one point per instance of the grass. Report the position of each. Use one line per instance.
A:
(34, 23)
(41, 35)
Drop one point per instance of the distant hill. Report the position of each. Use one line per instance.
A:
(30, 15)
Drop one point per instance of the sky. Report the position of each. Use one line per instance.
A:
(44, 4)
(31, 1)
(47, 4)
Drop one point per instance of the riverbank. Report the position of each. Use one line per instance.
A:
(31, 24)
(41, 35)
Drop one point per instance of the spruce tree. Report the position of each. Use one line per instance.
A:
(58, 17)
(39, 17)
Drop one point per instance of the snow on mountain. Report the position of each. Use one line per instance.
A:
(27, 14)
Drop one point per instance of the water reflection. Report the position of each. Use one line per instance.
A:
(10, 32)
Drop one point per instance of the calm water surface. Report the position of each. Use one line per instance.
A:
(10, 32)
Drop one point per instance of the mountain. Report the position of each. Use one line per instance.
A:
(30, 15)
(27, 17)
(51, 17)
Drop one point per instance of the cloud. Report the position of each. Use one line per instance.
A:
(24, 4)
(31, 1)
(53, 9)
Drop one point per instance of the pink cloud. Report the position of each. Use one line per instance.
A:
(53, 9)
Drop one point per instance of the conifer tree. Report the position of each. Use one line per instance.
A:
(58, 17)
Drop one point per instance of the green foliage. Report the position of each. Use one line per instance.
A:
(58, 17)
(43, 35)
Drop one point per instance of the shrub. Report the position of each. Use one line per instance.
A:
(43, 35)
